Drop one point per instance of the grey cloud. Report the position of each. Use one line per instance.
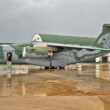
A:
(21, 18)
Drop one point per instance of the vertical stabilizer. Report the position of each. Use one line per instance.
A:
(104, 38)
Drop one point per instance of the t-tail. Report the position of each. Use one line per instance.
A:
(103, 40)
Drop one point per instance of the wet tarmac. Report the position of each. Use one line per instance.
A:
(79, 80)
(83, 79)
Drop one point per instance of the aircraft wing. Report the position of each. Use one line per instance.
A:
(6, 43)
(57, 45)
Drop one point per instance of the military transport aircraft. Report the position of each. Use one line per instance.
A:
(57, 51)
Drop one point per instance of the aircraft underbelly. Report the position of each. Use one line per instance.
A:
(60, 59)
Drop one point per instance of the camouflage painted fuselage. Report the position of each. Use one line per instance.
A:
(39, 53)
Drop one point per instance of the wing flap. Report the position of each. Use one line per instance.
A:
(75, 46)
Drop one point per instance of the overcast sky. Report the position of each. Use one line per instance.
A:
(20, 19)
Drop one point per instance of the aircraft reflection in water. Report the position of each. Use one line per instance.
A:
(57, 51)
(82, 82)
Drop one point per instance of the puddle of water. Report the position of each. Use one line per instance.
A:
(45, 83)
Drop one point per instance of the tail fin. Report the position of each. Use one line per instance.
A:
(36, 38)
(104, 38)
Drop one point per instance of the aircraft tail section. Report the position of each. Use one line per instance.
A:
(104, 38)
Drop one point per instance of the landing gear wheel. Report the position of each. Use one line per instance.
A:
(60, 68)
